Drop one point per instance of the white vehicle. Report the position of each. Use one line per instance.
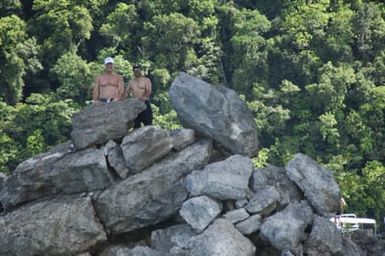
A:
(349, 222)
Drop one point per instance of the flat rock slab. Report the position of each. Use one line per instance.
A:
(225, 180)
(96, 124)
(143, 147)
(58, 227)
(317, 183)
(215, 111)
(55, 173)
(221, 238)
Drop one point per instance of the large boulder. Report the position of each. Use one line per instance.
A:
(324, 239)
(98, 123)
(220, 238)
(145, 146)
(200, 211)
(164, 240)
(59, 227)
(152, 195)
(115, 159)
(277, 177)
(264, 201)
(285, 230)
(215, 111)
(54, 173)
(228, 179)
(318, 184)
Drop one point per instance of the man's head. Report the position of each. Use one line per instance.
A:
(108, 64)
(137, 69)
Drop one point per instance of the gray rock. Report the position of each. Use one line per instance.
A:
(236, 216)
(96, 124)
(215, 111)
(219, 239)
(277, 177)
(122, 250)
(285, 230)
(324, 239)
(181, 138)
(144, 146)
(116, 160)
(368, 243)
(250, 225)
(152, 195)
(84, 254)
(199, 212)
(59, 227)
(258, 180)
(2, 178)
(164, 240)
(223, 180)
(350, 248)
(56, 173)
(241, 203)
(318, 184)
(264, 201)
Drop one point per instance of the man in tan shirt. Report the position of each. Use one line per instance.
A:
(140, 87)
(109, 85)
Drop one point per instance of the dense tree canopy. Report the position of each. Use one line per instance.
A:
(313, 73)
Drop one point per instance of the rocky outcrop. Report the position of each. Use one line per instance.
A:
(316, 182)
(59, 227)
(215, 111)
(155, 192)
(56, 173)
(228, 179)
(98, 123)
(152, 195)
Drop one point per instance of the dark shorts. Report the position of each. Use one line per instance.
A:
(144, 117)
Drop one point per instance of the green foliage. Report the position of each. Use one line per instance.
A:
(18, 54)
(75, 78)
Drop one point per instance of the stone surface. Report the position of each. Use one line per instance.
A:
(215, 111)
(324, 239)
(116, 160)
(318, 184)
(56, 173)
(152, 195)
(264, 201)
(350, 248)
(181, 138)
(286, 229)
(96, 124)
(228, 179)
(57, 227)
(200, 211)
(143, 147)
(236, 216)
(368, 243)
(277, 177)
(221, 239)
(250, 225)
(122, 250)
(164, 240)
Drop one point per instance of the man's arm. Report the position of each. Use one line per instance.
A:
(95, 92)
(120, 89)
(128, 89)
(148, 89)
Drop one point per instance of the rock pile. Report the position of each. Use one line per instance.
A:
(155, 192)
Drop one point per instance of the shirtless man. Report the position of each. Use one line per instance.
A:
(140, 87)
(108, 86)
